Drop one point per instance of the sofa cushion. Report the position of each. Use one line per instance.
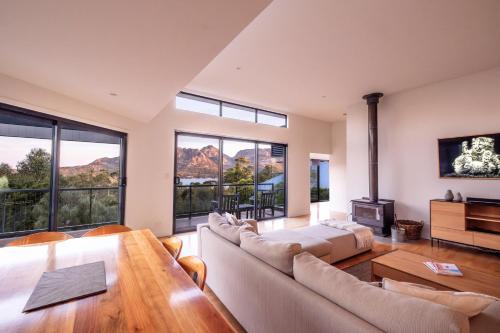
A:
(389, 311)
(278, 254)
(220, 226)
(316, 246)
(468, 303)
(488, 321)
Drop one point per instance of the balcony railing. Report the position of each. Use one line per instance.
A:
(18, 213)
(198, 200)
(25, 210)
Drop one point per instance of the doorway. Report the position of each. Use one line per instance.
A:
(319, 180)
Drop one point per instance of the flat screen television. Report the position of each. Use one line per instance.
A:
(475, 156)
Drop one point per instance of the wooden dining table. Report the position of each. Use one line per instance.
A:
(147, 290)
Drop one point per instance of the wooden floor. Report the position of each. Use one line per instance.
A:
(487, 262)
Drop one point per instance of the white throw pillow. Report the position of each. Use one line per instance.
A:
(468, 303)
(231, 219)
(220, 226)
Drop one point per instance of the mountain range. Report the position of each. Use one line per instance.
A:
(191, 162)
(109, 164)
(203, 163)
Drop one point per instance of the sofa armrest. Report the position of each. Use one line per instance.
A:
(199, 228)
(202, 225)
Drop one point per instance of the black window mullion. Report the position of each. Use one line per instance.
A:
(54, 176)
(221, 174)
(317, 180)
(285, 195)
(256, 181)
(123, 179)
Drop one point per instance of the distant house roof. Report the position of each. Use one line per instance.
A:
(275, 180)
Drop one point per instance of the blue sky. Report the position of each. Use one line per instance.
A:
(14, 149)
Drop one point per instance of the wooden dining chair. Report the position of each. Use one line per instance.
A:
(106, 230)
(195, 268)
(40, 237)
(173, 245)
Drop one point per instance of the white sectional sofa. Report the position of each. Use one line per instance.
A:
(264, 299)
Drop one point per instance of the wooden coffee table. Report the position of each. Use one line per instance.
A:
(405, 266)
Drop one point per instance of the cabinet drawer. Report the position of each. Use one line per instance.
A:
(449, 215)
(466, 237)
(490, 241)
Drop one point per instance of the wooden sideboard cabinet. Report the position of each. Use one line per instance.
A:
(474, 222)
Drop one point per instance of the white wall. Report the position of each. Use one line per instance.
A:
(149, 200)
(338, 171)
(303, 137)
(410, 123)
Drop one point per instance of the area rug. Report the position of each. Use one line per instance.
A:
(360, 265)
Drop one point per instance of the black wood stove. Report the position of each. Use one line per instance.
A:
(372, 211)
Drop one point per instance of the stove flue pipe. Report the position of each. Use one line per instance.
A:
(372, 101)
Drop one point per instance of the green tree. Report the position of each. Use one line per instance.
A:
(267, 173)
(241, 173)
(5, 170)
(4, 182)
(32, 172)
(90, 179)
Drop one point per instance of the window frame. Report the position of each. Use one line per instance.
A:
(269, 113)
(222, 102)
(54, 186)
(220, 185)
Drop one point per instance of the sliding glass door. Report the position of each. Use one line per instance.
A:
(242, 177)
(271, 180)
(238, 170)
(89, 178)
(57, 174)
(196, 180)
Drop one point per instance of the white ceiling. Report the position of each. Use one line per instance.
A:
(144, 51)
(297, 51)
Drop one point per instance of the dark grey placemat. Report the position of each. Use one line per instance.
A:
(66, 284)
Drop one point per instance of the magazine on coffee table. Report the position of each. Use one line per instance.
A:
(443, 268)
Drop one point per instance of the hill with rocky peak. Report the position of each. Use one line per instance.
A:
(109, 164)
(203, 163)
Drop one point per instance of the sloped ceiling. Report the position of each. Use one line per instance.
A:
(317, 57)
(127, 57)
